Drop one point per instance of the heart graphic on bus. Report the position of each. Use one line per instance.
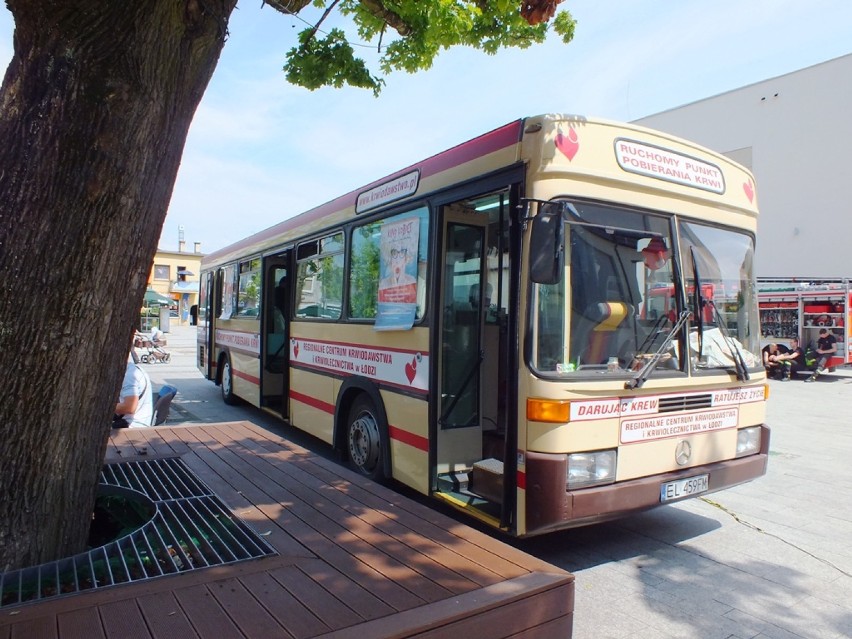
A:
(748, 187)
(411, 370)
(295, 349)
(568, 144)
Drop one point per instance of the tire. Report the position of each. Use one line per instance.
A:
(143, 359)
(364, 439)
(228, 383)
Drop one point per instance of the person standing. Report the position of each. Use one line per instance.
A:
(826, 348)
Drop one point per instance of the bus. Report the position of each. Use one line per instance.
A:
(479, 327)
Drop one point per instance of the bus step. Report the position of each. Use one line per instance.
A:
(486, 480)
(453, 483)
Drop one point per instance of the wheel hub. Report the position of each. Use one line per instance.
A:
(364, 442)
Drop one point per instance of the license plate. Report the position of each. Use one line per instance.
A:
(684, 487)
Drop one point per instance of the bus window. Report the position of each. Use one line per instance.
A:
(319, 278)
(610, 283)
(248, 295)
(720, 259)
(229, 276)
(365, 266)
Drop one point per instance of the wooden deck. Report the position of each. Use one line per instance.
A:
(355, 560)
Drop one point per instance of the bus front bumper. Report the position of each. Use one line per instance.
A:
(551, 507)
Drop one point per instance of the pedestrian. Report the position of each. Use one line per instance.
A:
(826, 348)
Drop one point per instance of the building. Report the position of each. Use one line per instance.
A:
(794, 133)
(175, 274)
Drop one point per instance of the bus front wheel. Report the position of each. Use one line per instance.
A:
(363, 439)
(228, 382)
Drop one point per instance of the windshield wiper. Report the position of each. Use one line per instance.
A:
(697, 304)
(642, 376)
(736, 353)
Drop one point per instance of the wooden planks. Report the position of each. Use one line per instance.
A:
(355, 559)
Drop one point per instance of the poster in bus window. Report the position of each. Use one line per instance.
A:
(397, 301)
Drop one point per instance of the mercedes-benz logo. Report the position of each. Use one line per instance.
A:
(683, 452)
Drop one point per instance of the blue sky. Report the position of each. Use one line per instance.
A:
(260, 151)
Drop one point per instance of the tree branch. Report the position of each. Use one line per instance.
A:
(378, 9)
(290, 7)
(319, 22)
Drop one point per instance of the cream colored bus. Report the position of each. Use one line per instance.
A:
(512, 325)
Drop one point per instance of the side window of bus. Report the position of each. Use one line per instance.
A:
(229, 276)
(319, 278)
(248, 293)
(366, 269)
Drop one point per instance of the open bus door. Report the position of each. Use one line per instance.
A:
(466, 396)
(275, 353)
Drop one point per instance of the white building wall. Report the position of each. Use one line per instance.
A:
(795, 133)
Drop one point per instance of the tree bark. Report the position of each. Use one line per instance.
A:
(94, 112)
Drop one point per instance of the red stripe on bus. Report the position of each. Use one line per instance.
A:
(313, 402)
(400, 435)
(249, 378)
(406, 437)
(507, 135)
(495, 140)
(522, 480)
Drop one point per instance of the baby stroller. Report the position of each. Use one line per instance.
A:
(151, 347)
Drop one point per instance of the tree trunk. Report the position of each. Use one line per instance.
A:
(94, 112)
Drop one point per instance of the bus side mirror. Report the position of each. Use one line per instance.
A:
(547, 253)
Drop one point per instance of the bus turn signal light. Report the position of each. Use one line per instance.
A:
(547, 410)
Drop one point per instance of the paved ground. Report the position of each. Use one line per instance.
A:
(770, 559)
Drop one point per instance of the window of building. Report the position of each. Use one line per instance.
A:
(162, 272)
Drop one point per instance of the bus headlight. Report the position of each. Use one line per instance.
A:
(591, 469)
(748, 441)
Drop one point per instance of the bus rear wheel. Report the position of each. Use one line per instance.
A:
(364, 441)
(228, 382)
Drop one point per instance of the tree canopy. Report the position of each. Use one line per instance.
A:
(423, 30)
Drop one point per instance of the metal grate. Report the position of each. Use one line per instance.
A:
(190, 529)
(685, 402)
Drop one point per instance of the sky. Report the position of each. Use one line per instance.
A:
(260, 150)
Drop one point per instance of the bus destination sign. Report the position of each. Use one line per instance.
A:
(665, 164)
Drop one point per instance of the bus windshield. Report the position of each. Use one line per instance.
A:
(626, 283)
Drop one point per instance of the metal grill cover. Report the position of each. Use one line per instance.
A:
(190, 529)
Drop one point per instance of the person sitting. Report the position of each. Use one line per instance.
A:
(793, 360)
(826, 348)
(135, 407)
(774, 368)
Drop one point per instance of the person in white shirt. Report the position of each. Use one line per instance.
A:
(135, 407)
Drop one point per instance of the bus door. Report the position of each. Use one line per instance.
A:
(460, 397)
(275, 351)
(208, 313)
